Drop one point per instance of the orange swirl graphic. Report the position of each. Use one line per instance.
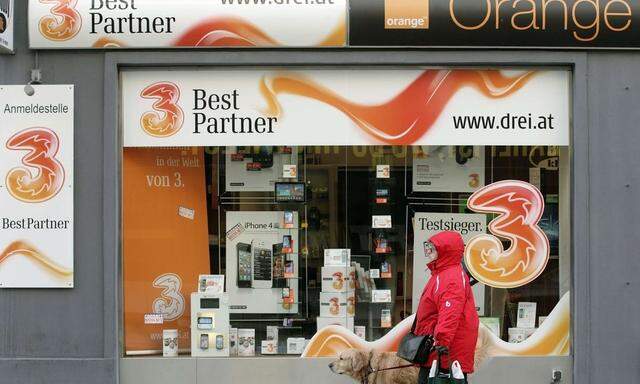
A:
(26, 249)
(551, 339)
(107, 42)
(64, 22)
(409, 115)
(170, 119)
(520, 206)
(235, 32)
(42, 144)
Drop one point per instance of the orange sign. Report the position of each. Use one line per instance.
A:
(166, 241)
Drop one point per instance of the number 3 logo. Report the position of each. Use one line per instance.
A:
(42, 144)
(167, 117)
(520, 206)
(171, 302)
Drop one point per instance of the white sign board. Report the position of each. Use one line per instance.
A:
(448, 168)
(185, 23)
(426, 225)
(6, 25)
(256, 262)
(36, 187)
(224, 107)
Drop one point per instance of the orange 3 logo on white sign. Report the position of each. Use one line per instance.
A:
(520, 206)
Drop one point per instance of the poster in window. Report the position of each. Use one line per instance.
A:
(448, 168)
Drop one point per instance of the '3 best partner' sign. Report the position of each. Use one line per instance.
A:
(36, 187)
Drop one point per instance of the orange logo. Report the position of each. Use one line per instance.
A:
(520, 206)
(168, 116)
(64, 22)
(48, 178)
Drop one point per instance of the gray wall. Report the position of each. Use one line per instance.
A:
(70, 336)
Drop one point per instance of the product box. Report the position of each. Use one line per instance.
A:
(361, 331)
(381, 221)
(272, 333)
(337, 257)
(381, 296)
(269, 347)
(211, 283)
(385, 318)
(346, 322)
(383, 171)
(518, 335)
(526, 315)
(246, 342)
(493, 323)
(338, 279)
(337, 304)
(233, 341)
(296, 345)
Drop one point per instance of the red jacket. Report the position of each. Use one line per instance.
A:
(447, 309)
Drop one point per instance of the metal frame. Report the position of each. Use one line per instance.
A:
(112, 146)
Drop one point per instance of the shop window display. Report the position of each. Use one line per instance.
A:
(284, 241)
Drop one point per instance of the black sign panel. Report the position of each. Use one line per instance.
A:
(496, 23)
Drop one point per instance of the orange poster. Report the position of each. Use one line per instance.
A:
(166, 242)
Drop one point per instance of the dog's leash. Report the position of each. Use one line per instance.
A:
(370, 371)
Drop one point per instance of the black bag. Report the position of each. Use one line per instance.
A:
(414, 348)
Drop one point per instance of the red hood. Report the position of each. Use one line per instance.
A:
(450, 247)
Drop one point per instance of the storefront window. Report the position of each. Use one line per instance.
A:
(263, 249)
(273, 220)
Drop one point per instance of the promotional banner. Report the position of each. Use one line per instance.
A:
(166, 240)
(448, 169)
(36, 186)
(426, 225)
(495, 23)
(6, 26)
(186, 23)
(262, 262)
(345, 107)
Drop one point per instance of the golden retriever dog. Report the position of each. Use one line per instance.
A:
(358, 364)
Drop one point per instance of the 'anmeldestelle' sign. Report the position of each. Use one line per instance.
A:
(495, 23)
(36, 187)
(186, 23)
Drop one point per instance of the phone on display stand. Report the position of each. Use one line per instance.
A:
(262, 265)
(204, 341)
(244, 265)
(219, 342)
(278, 267)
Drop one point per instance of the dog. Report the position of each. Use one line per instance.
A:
(364, 366)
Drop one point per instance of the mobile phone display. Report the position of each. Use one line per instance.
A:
(219, 342)
(204, 341)
(244, 265)
(287, 244)
(262, 266)
(278, 267)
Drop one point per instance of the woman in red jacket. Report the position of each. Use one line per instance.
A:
(447, 309)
